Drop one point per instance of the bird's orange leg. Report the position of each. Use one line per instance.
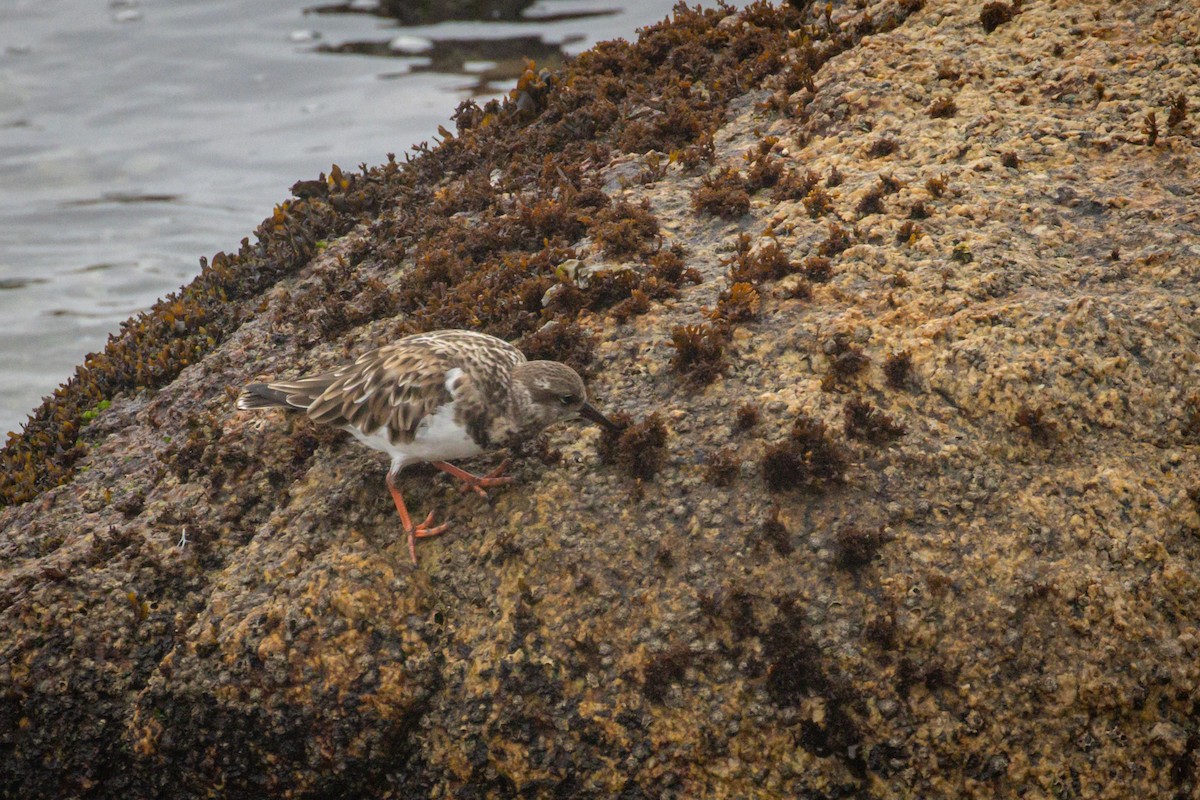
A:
(477, 482)
(414, 532)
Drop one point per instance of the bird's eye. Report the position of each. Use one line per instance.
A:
(567, 399)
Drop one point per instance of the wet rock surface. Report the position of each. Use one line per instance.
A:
(924, 524)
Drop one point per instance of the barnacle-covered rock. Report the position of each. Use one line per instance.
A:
(900, 510)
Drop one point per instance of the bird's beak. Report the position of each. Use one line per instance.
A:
(589, 412)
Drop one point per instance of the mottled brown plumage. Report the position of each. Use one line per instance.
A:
(434, 397)
(398, 385)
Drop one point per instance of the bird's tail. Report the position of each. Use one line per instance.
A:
(264, 395)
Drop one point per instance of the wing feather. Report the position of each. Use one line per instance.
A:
(398, 385)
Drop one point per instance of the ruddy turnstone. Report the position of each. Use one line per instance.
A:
(433, 397)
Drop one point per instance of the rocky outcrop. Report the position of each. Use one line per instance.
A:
(911, 291)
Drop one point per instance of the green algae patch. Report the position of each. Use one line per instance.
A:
(92, 413)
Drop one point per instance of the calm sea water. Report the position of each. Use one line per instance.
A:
(136, 137)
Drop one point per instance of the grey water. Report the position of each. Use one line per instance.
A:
(138, 135)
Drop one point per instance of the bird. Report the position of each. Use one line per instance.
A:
(436, 397)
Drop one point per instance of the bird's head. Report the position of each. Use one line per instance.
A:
(557, 394)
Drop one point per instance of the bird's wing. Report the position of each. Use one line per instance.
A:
(398, 385)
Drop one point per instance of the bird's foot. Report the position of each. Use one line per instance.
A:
(422, 531)
(494, 478)
(477, 483)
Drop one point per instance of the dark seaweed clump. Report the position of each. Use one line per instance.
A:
(700, 350)
(897, 369)
(837, 242)
(722, 193)
(768, 263)
(993, 15)
(775, 533)
(747, 416)
(817, 269)
(794, 672)
(845, 362)
(794, 185)
(625, 292)
(560, 341)
(340, 298)
(854, 547)
(808, 460)
(764, 171)
(818, 202)
(738, 303)
(1179, 111)
(723, 466)
(869, 424)
(1040, 428)
(663, 669)
(871, 202)
(942, 108)
(883, 146)
(637, 449)
(625, 229)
